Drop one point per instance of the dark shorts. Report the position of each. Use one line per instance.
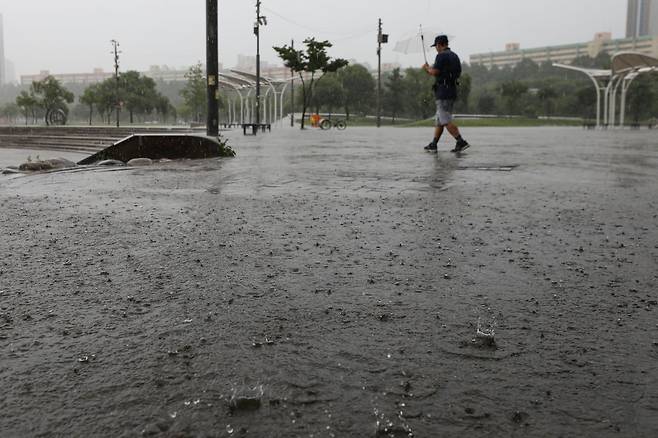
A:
(444, 111)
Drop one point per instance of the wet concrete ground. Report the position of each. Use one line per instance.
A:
(331, 284)
(15, 157)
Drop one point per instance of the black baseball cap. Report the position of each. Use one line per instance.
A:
(441, 39)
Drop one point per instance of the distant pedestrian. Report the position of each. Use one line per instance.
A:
(447, 69)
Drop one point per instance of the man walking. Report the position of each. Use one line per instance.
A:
(447, 69)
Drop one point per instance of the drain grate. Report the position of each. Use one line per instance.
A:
(489, 167)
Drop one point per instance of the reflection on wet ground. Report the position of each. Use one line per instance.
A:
(338, 284)
(360, 160)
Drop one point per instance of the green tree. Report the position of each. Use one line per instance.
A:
(308, 64)
(10, 112)
(139, 93)
(603, 60)
(28, 103)
(641, 97)
(418, 89)
(486, 103)
(464, 92)
(526, 68)
(52, 95)
(195, 93)
(329, 93)
(165, 108)
(546, 95)
(90, 97)
(394, 102)
(359, 86)
(586, 101)
(106, 99)
(512, 91)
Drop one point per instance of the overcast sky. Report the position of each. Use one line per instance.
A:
(66, 36)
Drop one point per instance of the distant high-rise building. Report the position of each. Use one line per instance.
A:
(642, 18)
(246, 63)
(3, 78)
(10, 72)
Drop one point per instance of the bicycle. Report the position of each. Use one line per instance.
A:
(326, 124)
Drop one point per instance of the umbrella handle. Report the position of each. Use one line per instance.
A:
(422, 39)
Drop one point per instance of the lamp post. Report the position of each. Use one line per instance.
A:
(117, 102)
(260, 21)
(381, 39)
(292, 92)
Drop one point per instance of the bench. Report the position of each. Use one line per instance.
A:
(255, 127)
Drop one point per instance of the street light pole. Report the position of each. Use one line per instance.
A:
(292, 92)
(260, 21)
(381, 39)
(212, 68)
(117, 103)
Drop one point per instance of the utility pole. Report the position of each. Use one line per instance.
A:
(381, 39)
(117, 103)
(292, 92)
(260, 21)
(212, 68)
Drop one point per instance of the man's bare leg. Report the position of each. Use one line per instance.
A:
(438, 131)
(454, 131)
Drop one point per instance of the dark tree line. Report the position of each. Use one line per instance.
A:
(134, 94)
(41, 97)
(533, 90)
(140, 99)
(527, 89)
(352, 91)
(312, 65)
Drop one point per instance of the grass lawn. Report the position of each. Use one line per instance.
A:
(502, 122)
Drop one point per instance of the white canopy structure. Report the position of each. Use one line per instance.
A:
(626, 67)
(244, 84)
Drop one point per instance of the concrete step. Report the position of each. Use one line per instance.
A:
(73, 138)
(20, 139)
(63, 148)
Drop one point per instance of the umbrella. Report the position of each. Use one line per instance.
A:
(416, 43)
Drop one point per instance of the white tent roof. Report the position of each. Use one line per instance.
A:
(625, 62)
(593, 72)
(622, 63)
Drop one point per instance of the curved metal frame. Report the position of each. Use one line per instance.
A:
(228, 83)
(273, 100)
(609, 81)
(594, 75)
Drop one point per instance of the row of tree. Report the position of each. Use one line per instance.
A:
(331, 84)
(43, 96)
(352, 91)
(133, 94)
(527, 89)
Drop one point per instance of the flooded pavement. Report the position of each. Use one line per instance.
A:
(334, 284)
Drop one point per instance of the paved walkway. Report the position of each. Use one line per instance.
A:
(331, 284)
